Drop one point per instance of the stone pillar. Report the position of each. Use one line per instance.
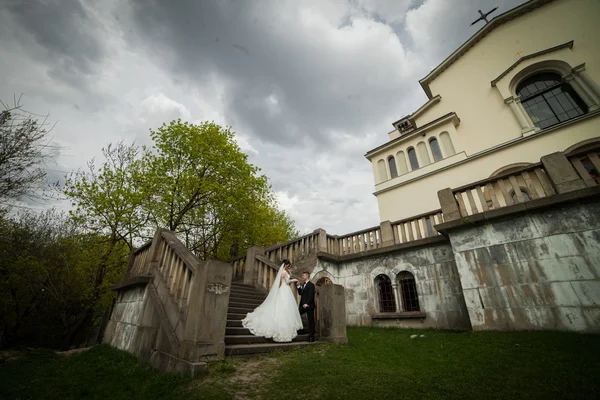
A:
(396, 297)
(516, 110)
(589, 86)
(449, 205)
(204, 332)
(561, 173)
(387, 234)
(154, 255)
(580, 88)
(321, 240)
(332, 313)
(251, 266)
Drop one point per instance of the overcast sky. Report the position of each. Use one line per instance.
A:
(307, 85)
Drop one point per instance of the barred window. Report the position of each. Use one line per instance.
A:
(387, 303)
(408, 291)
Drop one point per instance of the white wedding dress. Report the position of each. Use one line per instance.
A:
(278, 316)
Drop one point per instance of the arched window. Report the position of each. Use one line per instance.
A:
(548, 100)
(524, 193)
(392, 164)
(387, 303)
(435, 149)
(323, 281)
(423, 155)
(401, 161)
(408, 291)
(412, 157)
(381, 172)
(447, 144)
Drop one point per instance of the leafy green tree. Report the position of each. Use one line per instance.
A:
(110, 200)
(205, 189)
(54, 279)
(24, 144)
(194, 180)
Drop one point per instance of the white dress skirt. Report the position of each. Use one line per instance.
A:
(278, 316)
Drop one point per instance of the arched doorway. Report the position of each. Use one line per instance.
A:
(323, 281)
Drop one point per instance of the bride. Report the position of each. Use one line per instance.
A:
(278, 316)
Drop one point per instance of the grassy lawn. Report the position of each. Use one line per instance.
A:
(376, 364)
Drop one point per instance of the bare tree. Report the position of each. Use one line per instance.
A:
(24, 145)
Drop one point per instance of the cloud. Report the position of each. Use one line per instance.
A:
(158, 108)
(46, 30)
(308, 86)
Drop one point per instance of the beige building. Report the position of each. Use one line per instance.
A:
(525, 85)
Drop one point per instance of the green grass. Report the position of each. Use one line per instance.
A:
(386, 363)
(376, 364)
(100, 373)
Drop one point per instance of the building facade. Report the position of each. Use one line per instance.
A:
(525, 85)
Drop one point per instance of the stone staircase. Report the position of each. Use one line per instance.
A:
(238, 340)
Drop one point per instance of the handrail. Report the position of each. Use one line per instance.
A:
(276, 246)
(495, 178)
(425, 214)
(587, 165)
(522, 185)
(356, 232)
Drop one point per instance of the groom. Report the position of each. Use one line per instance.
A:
(307, 303)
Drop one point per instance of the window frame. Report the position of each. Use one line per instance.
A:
(409, 295)
(416, 158)
(391, 161)
(566, 90)
(386, 300)
(439, 149)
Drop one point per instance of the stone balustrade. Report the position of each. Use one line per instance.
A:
(587, 165)
(526, 184)
(137, 261)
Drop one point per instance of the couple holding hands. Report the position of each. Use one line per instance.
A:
(278, 317)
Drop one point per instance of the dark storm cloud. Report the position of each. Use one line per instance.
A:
(309, 85)
(68, 36)
(284, 81)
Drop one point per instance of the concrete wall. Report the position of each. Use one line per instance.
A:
(537, 270)
(133, 323)
(437, 281)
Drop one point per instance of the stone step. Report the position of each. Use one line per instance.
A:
(251, 339)
(234, 323)
(236, 316)
(244, 297)
(237, 330)
(237, 286)
(244, 304)
(245, 349)
(239, 310)
(247, 292)
(236, 283)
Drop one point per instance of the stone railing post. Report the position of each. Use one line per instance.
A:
(561, 173)
(449, 205)
(251, 265)
(204, 333)
(387, 233)
(332, 313)
(154, 254)
(396, 297)
(321, 240)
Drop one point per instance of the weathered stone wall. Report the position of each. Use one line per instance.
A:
(533, 270)
(133, 324)
(436, 278)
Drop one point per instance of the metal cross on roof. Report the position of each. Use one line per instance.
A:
(484, 16)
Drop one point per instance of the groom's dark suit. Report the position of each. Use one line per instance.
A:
(307, 296)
